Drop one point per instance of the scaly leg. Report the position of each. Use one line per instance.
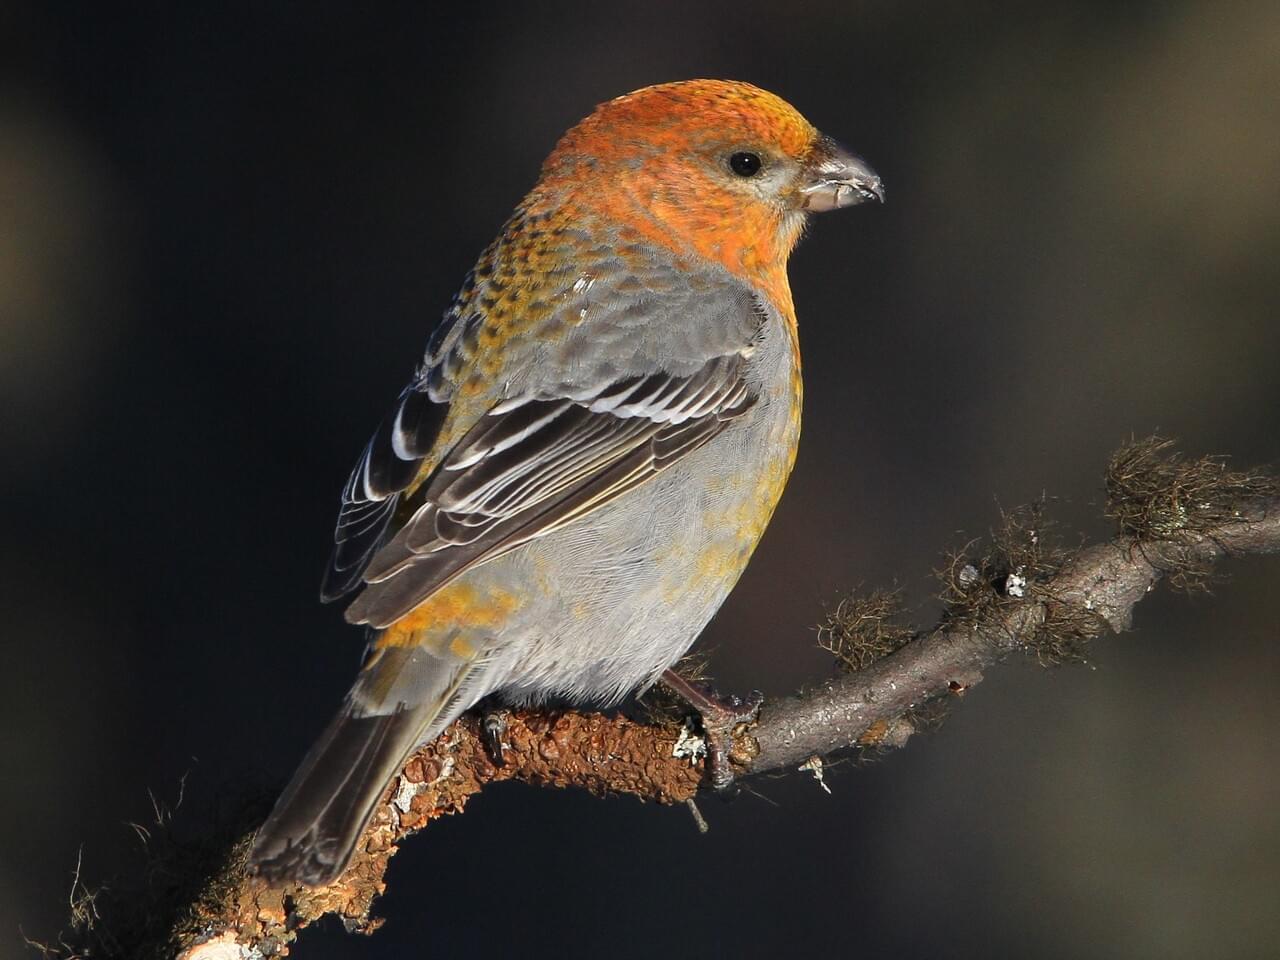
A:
(720, 716)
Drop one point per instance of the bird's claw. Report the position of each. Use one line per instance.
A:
(493, 727)
(721, 718)
(719, 725)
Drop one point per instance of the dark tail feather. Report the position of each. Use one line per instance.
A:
(316, 822)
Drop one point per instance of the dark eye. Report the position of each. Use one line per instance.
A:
(745, 164)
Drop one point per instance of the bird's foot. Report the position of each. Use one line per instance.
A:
(721, 718)
(493, 727)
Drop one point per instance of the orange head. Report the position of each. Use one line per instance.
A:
(715, 168)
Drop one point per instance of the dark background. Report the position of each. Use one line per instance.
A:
(225, 231)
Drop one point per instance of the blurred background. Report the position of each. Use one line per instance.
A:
(225, 233)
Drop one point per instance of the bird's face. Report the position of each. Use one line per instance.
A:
(763, 172)
(725, 168)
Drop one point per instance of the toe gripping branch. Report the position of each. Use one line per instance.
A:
(493, 727)
(722, 719)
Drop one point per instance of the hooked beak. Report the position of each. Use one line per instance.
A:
(838, 178)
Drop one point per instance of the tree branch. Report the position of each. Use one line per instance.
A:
(1177, 518)
(1097, 589)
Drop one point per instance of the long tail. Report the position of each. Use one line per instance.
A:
(404, 697)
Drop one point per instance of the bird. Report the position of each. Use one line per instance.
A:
(585, 458)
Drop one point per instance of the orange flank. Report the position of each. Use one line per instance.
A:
(723, 562)
(458, 609)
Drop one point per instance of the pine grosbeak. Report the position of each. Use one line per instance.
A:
(580, 468)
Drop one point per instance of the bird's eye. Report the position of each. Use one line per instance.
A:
(745, 164)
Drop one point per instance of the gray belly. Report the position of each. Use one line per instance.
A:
(624, 592)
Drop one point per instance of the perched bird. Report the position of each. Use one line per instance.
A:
(583, 463)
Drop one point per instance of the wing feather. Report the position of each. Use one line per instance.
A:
(390, 463)
(533, 464)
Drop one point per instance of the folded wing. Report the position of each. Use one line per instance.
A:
(536, 462)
